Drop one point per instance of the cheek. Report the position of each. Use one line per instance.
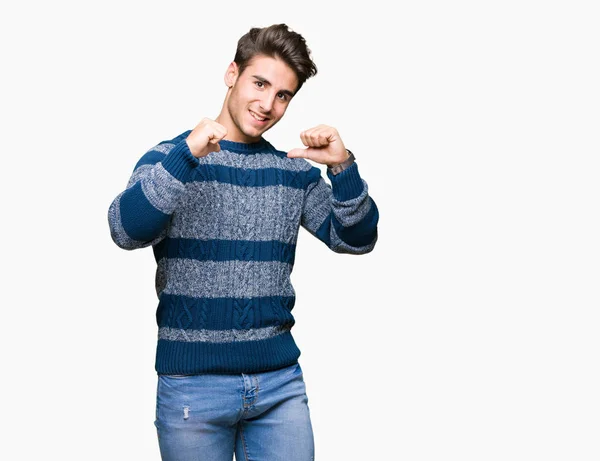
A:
(239, 98)
(280, 112)
(280, 109)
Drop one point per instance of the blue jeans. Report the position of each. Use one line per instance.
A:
(260, 417)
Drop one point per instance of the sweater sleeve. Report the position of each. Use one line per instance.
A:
(342, 215)
(139, 216)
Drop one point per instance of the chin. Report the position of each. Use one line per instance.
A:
(254, 132)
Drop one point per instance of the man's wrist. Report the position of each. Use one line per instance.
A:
(331, 165)
(339, 167)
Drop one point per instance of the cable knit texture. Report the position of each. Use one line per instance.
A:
(223, 229)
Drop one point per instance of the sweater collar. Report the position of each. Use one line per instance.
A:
(261, 145)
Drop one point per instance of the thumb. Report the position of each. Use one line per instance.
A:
(213, 145)
(298, 152)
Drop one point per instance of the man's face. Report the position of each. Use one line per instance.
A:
(259, 97)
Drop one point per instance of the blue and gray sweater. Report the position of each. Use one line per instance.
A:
(224, 229)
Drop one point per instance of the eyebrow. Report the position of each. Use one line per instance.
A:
(265, 81)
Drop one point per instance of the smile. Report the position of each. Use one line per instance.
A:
(256, 117)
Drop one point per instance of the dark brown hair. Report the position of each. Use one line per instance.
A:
(276, 41)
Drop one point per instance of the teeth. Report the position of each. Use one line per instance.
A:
(257, 118)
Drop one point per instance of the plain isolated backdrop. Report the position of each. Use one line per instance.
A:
(469, 333)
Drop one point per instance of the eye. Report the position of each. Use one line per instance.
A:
(282, 96)
(259, 83)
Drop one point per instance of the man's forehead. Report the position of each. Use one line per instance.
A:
(270, 67)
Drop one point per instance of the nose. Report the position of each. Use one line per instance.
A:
(266, 103)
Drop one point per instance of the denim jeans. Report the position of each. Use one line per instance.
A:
(260, 416)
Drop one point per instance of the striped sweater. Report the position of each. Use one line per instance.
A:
(223, 230)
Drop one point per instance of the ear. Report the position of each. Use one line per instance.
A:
(231, 74)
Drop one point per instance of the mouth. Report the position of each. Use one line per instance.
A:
(258, 118)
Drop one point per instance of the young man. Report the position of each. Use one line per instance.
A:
(222, 208)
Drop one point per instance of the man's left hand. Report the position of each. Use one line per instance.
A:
(324, 146)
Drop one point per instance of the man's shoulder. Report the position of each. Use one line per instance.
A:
(177, 139)
(166, 145)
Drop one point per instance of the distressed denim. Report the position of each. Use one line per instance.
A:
(259, 417)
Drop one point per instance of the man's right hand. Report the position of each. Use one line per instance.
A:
(205, 138)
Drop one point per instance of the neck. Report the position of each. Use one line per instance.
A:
(233, 132)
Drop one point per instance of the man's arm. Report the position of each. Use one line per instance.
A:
(139, 216)
(342, 215)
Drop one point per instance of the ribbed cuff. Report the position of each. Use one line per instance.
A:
(180, 162)
(347, 184)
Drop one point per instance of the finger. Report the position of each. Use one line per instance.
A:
(216, 135)
(298, 153)
(304, 137)
(319, 138)
(220, 130)
(308, 138)
(325, 134)
(213, 145)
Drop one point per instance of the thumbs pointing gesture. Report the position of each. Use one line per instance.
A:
(324, 146)
(205, 137)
